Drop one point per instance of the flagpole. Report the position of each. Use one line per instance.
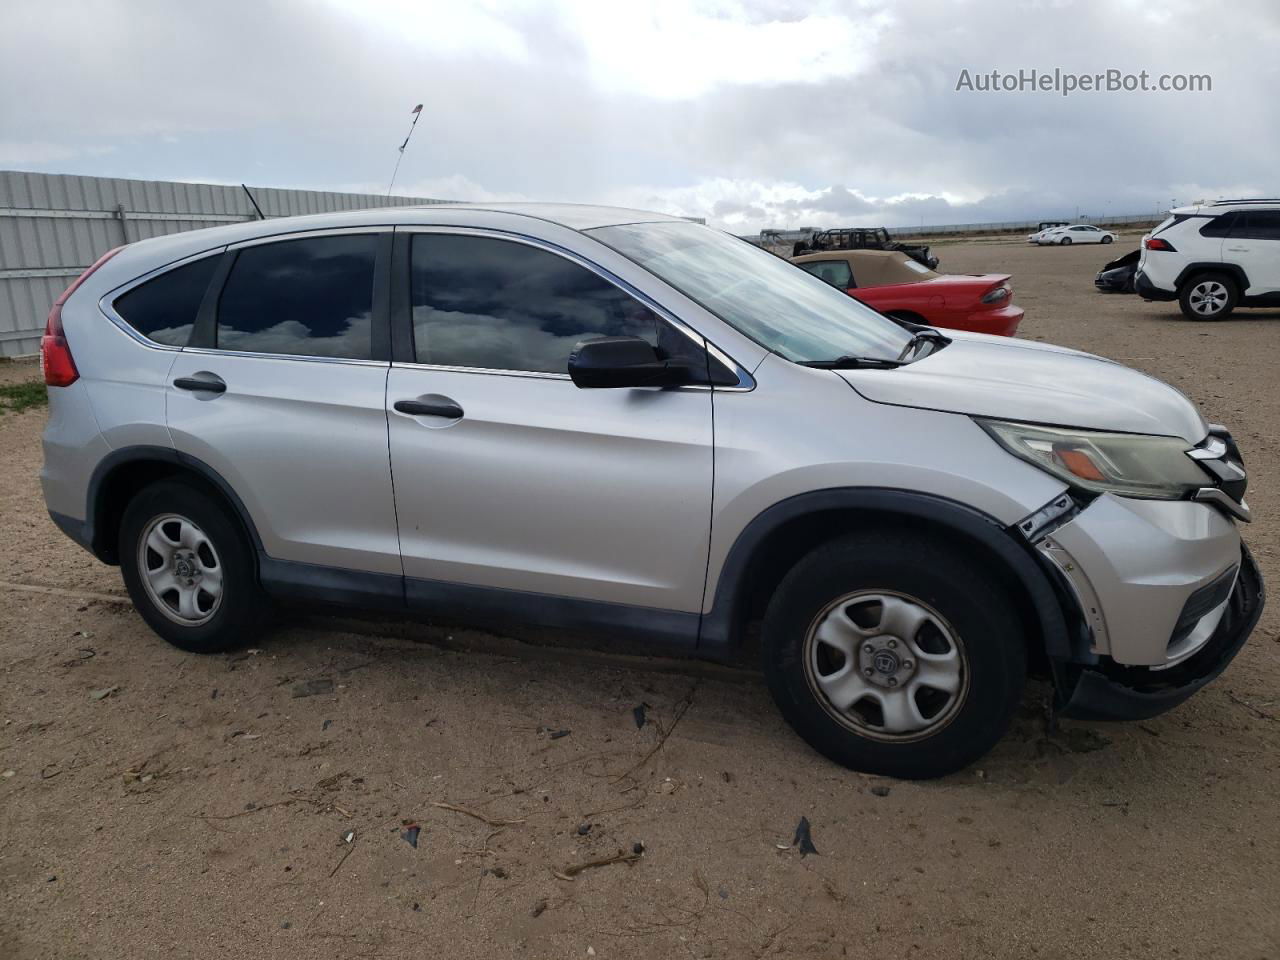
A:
(417, 112)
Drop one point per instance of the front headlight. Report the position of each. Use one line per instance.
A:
(1130, 465)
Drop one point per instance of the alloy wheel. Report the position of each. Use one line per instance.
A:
(1208, 297)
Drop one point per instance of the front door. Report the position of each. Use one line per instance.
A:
(507, 475)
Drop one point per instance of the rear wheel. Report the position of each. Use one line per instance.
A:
(894, 654)
(1209, 296)
(189, 568)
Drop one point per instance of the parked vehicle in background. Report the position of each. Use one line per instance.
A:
(864, 238)
(1076, 233)
(505, 413)
(1117, 276)
(1214, 257)
(1044, 227)
(900, 287)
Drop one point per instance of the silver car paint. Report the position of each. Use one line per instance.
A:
(802, 430)
(304, 444)
(1144, 558)
(1027, 381)
(541, 486)
(273, 438)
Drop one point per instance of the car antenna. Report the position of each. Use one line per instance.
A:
(261, 215)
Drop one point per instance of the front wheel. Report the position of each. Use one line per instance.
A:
(1065, 241)
(189, 568)
(1106, 239)
(894, 654)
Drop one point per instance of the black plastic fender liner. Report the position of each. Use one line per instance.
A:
(100, 542)
(722, 627)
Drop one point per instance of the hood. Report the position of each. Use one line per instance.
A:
(1036, 383)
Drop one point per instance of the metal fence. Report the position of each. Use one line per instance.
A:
(53, 226)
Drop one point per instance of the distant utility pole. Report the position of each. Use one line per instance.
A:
(417, 112)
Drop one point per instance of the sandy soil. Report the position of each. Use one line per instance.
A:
(202, 808)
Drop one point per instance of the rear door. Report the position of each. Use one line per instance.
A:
(282, 391)
(519, 480)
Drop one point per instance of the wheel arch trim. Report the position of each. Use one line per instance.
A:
(97, 537)
(723, 624)
(1233, 269)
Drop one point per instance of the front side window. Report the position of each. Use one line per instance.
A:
(764, 297)
(164, 308)
(311, 297)
(834, 272)
(501, 305)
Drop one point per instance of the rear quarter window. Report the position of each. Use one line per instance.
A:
(164, 308)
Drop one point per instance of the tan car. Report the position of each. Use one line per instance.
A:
(897, 285)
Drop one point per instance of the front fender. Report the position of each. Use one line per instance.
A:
(724, 623)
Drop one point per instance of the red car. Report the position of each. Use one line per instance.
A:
(894, 284)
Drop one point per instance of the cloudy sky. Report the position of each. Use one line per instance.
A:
(752, 113)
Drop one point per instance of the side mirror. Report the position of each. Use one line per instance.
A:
(624, 362)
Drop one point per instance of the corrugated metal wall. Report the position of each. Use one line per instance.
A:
(53, 226)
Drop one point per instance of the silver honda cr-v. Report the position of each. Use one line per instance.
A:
(630, 424)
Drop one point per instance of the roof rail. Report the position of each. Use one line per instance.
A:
(1224, 203)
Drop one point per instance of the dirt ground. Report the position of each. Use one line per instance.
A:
(202, 808)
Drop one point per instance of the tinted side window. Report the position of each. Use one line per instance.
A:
(1257, 225)
(835, 272)
(310, 298)
(1218, 226)
(500, 305)
(164, 309)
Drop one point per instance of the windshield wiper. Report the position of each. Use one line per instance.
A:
(922, 336)
(853, 363)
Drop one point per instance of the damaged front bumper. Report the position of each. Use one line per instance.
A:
(1158, 597)
(1107, 690)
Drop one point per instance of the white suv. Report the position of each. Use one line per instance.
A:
(1214, 257)
(630, 424)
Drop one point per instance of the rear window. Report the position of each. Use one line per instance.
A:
(305, 298)
(835, 272)
(164, 308)
(1218, 226)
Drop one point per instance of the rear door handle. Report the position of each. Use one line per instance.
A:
(208, 382)
(442, 407)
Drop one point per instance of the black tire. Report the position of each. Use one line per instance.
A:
(936, 575)
(1195, 292)
(1106, 239)
(1065, 242)
(238, 613)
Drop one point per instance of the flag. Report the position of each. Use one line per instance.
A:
(417, 109)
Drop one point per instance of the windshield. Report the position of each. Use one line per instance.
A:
(779, 306)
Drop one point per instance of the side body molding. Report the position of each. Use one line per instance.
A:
(722, 626)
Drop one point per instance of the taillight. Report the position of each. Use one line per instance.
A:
(1157, 243)
(55, 354)
(996, 294)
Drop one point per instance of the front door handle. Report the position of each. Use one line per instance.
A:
(206, 382)
(441, 407)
